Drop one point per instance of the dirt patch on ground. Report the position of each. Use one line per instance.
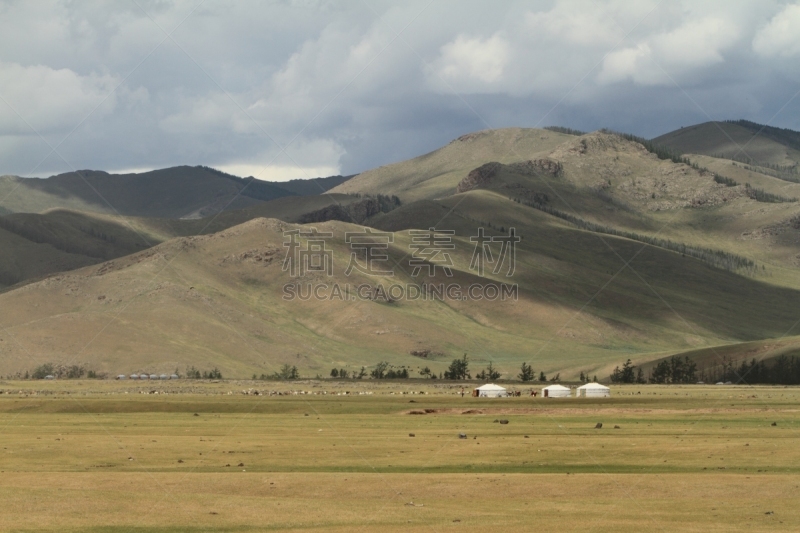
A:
(599, 410)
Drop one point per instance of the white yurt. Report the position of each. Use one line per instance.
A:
(490, 390)
(556, 391)
(593, 390)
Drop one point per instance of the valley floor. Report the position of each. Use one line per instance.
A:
(104, 457)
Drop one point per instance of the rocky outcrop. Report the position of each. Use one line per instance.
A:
(537, 167)
(356, 212)
(479, 177)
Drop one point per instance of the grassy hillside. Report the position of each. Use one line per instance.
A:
(611, 181)
(169, 193)
(217, 300)
(22, 259)
(437, 173)
(623, 255)
(605, 180)
(312, 187)
(741, 140)
(60, 240)
(178, 192)
(715, 358)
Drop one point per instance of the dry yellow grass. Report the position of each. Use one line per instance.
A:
(587, 301)
(100, 456)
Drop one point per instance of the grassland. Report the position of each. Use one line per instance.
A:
(437, 173)
(115, 456)
(588, 301)
(733, 141)
(217, 300)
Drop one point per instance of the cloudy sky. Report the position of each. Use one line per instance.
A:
(296, 89)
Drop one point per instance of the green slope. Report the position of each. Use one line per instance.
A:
(437, 173)
(217, 300)
(601, 272)
(741, 140)
(177, 192)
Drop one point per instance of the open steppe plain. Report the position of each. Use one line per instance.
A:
(114, 456)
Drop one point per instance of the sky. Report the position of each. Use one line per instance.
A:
(297, 89)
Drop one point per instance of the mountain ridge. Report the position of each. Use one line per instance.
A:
(175, 192)
(606, 268)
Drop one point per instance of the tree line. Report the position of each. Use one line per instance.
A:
(672, 370)
(782, 173)
(458, 370)
(567, 131)
(194, 373)
(61, 372)
(781, 370)
(782, 135)
(760, 195)
(728, 182)
(715, 258)
(662, 152)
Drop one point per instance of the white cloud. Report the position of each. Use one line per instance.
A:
(50, 100)
(698, 43)
(214, 112)
(278, 172)
(470, 63)
(667, 56)
(631, 63)
(582, 23)
(359, 94)
(302, 159)
(781, 37)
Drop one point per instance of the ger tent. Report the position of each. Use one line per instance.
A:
(490, 390)
(593, 390)
(556, 391)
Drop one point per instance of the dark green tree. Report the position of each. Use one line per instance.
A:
(287, 371)
(44, 370)
(625, 375)
(458, 369)
(525, 372)
(380, 370)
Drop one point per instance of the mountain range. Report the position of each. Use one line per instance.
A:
(629, 248)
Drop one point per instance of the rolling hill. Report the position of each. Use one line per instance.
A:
(35, 245)
(739, 140)
(72, 220)
(177, 192)
(218, 300)
(623, 255)
(437, 173)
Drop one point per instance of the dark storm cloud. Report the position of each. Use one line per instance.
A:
(347, 86)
